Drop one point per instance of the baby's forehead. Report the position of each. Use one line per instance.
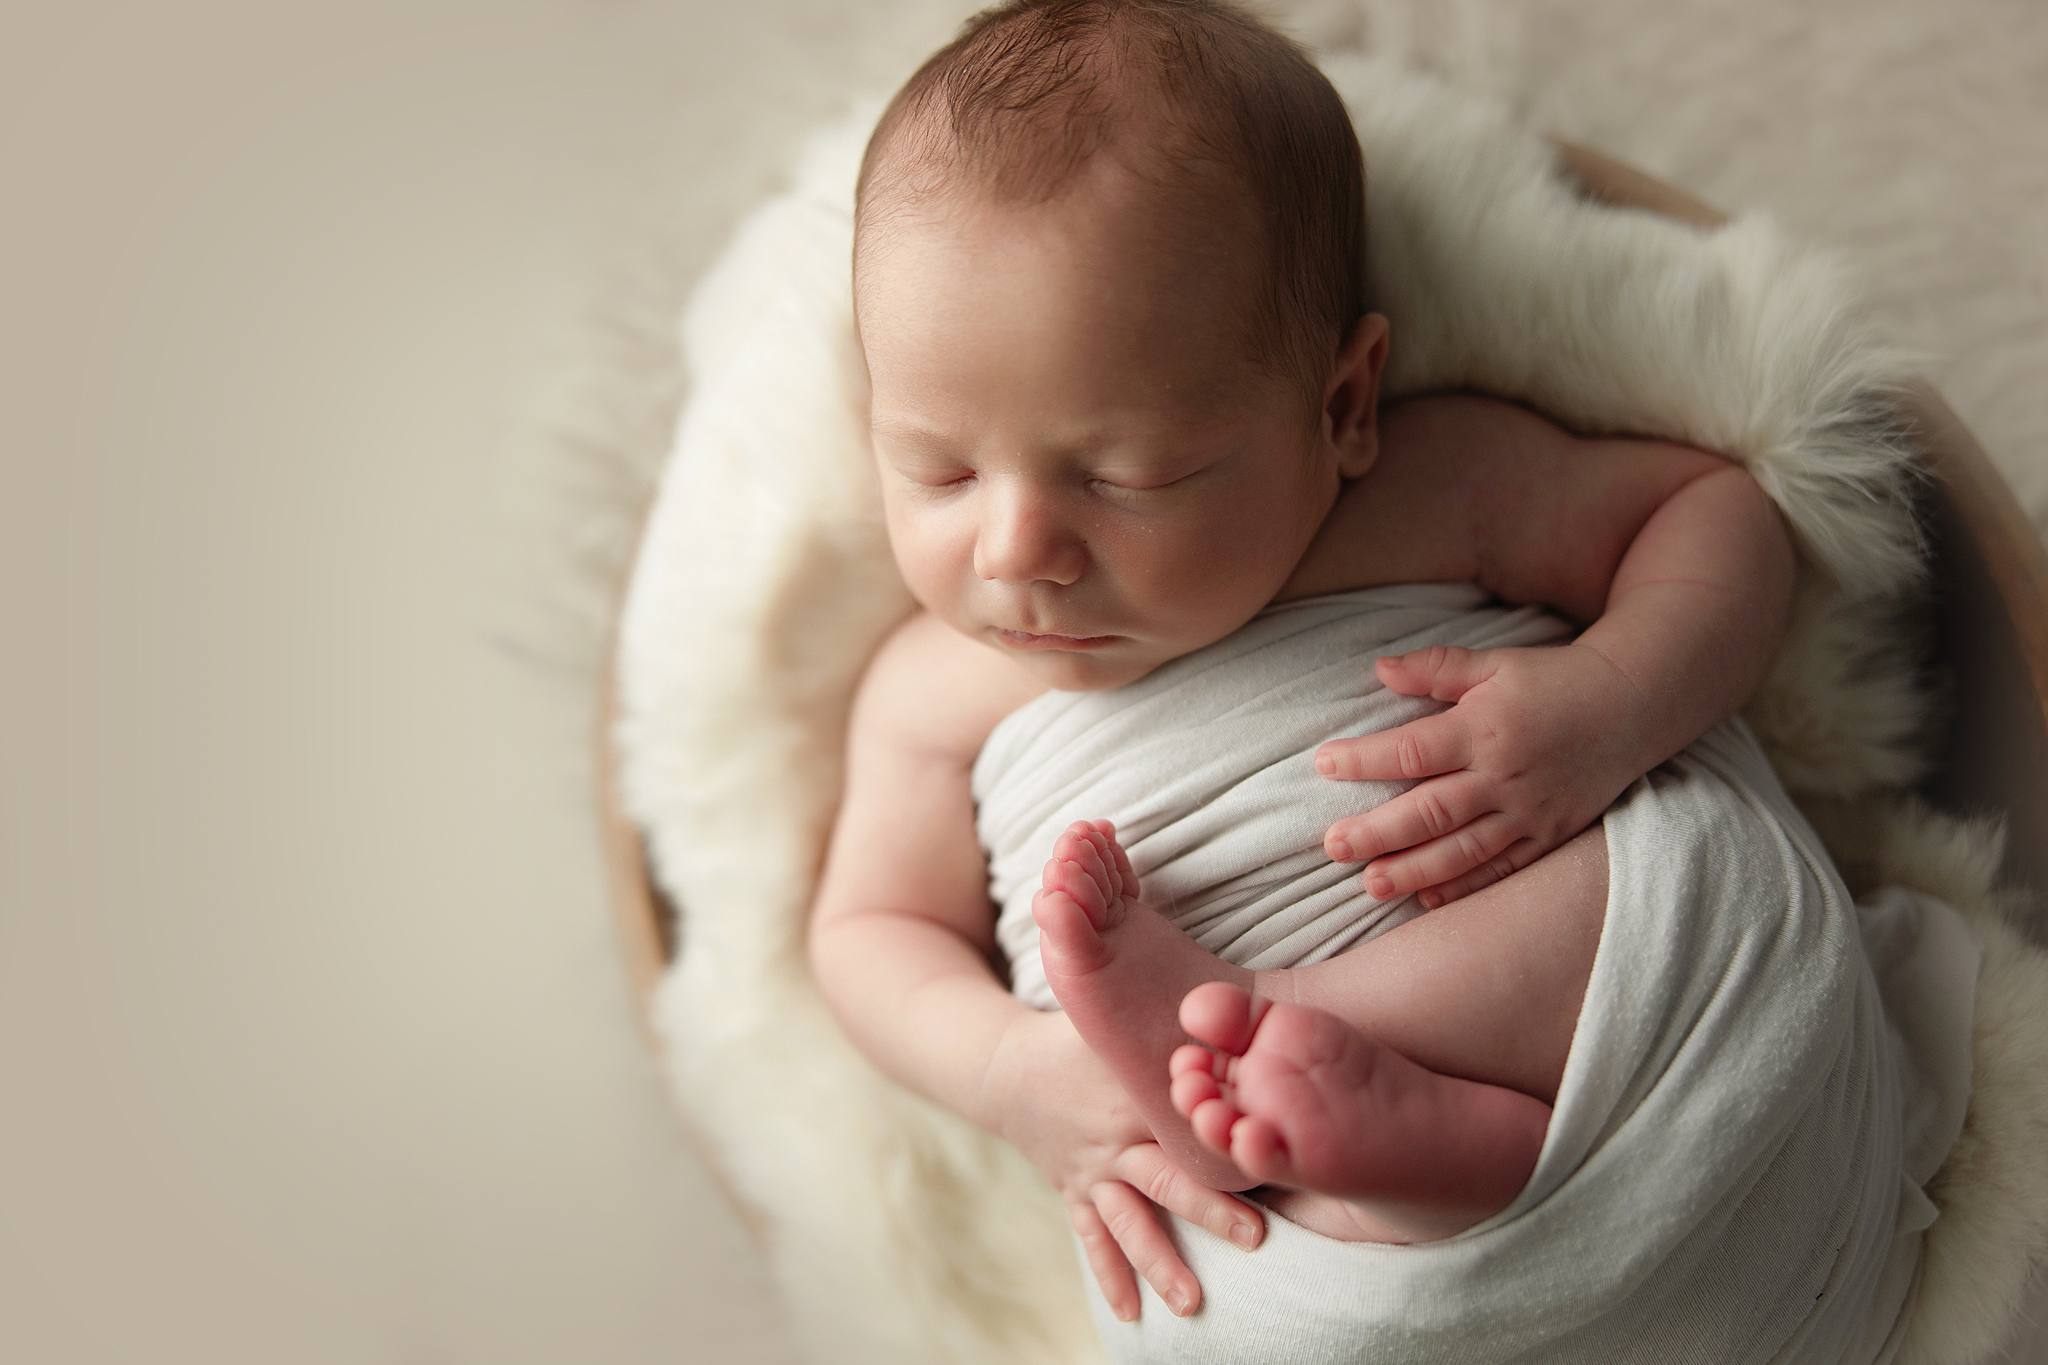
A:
(1108, 232)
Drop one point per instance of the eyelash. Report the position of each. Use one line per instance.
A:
(921, 489)
(1118, 489)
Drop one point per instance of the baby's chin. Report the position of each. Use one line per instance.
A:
(1096, 670)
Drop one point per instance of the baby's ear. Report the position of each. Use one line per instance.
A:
(1351, 402)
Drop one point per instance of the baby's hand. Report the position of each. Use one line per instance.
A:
(1062, 1107)
(1537, 746)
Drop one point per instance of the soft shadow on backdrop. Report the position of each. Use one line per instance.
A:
(315, 1041)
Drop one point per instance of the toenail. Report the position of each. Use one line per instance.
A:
(1340, 851)
(1244, 1234)
(1381, 886)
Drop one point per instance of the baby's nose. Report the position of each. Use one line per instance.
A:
(1024, 540)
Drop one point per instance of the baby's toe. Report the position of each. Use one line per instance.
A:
(1117, 877)
(1054, 912)
(1067, 941)
(1258, 1149)
(1191, 1090)
(1076, 842)
(1302, 1038)
(1221, 1015)
(1078, 846)
(1212, 1121)
(1124, 878)
(1071, 879)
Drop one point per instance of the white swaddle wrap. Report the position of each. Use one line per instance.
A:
(1733, 1168)
(1207, 767)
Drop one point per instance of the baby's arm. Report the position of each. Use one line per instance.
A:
(1674, 559)
(901, 941)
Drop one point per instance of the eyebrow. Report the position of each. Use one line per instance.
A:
(912, 432)
(939, 442)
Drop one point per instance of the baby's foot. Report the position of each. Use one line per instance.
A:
(1119, 970)
(1297, 1097)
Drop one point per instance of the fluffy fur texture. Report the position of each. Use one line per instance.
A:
(901, 1233)
(1907, 133)
(1991, 1190)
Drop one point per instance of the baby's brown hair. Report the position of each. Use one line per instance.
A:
(1031, 90)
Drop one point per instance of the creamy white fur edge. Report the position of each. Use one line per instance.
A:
(764, 583)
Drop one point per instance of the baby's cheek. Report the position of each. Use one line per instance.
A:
(1214, 589)
(926, 563)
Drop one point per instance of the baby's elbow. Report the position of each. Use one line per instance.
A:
(1769, 556)
(825, 951)
(822, 941)
(1776, 555)
(839, 947)
(1738, 500)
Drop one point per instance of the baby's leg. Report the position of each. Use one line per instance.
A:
(1486, 989)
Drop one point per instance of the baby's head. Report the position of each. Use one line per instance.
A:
(1109, 283)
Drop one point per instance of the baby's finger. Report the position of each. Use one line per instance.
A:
(1446, 672)
(1422, 748)
(1134, 1223)
(1427, 812)
(1146, 1167)
(1106, 1259)
(1455, 854)
(1515, 857)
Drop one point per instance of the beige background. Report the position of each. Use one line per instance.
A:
(312, 1038)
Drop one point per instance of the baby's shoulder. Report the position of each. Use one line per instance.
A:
(1467, 487)
(933, 689)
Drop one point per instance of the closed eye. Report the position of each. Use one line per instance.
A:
(935, 483)
(1113, 488)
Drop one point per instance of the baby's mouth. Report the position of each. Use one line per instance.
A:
(1023, 639)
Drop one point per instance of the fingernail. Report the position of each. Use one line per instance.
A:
(1182, 1302)
(1244, 1234)
(1340, 851)
(1127, 1312)
(1430, 900)
(1326, 764)
(1380, 886)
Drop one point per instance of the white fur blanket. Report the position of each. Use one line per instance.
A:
(765, 583)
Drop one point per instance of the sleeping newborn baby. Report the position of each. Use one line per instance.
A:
(1124, 385)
